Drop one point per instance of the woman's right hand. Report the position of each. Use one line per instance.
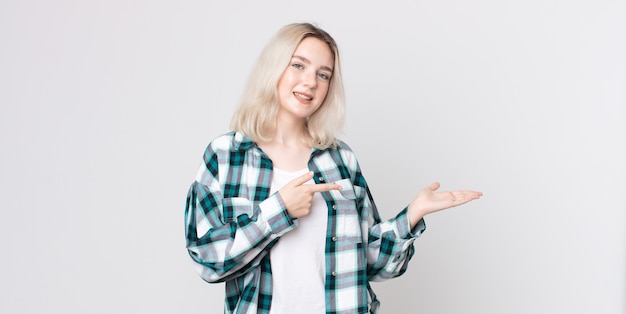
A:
(298, 196)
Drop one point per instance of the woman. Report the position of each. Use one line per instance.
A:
(280, 211)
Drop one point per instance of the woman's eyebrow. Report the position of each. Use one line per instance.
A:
(307, 61)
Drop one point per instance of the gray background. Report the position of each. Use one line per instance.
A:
(106, 107)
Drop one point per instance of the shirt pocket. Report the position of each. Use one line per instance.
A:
(235, 207)
(349, 228)
(348, 219)
(347, 191)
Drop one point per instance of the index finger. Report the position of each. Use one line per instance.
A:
(301, 179)
(324, 187)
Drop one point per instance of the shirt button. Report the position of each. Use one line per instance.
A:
(334, 207)
(334, 239)
(321, 179)
(333, 274)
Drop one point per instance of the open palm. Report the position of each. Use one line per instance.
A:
(429, 200)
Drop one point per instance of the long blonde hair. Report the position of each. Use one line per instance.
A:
(256, 116)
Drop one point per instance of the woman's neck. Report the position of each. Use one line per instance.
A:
(290, 132)
(288, 149)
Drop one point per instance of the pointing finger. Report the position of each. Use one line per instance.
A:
(324, 187)
(301, 179)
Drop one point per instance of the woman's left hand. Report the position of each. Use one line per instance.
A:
(429, 200)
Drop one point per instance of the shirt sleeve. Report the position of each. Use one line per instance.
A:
(389, 243)
(227, 237)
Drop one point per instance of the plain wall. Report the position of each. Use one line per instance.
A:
(107, 106)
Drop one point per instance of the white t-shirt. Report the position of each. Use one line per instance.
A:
(298, 259)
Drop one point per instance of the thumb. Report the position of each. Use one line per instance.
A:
(434, 186)
(301, 179)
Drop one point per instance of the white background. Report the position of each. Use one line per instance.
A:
(107, 106)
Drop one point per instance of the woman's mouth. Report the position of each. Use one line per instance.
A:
(303, 97)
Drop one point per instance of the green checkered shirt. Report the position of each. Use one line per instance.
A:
(232, 221)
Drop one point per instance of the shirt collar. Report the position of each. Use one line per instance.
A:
(242, 142)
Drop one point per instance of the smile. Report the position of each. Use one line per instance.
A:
(302, 96)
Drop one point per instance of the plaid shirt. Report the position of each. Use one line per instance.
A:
(232, 221)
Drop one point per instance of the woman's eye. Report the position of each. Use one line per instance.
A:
(324, 76)
(298, 66)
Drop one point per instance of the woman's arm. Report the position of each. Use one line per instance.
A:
(227, 237)
(390, 243)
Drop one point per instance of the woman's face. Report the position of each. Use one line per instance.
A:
(304, 83)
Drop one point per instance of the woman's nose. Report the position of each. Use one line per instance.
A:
(309, 79)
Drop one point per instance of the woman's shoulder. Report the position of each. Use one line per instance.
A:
(230, 141)
(346, 151)
(341, 145)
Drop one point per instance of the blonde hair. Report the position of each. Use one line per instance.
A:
(256, 116)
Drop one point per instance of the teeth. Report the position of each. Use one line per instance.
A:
(302, 96)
